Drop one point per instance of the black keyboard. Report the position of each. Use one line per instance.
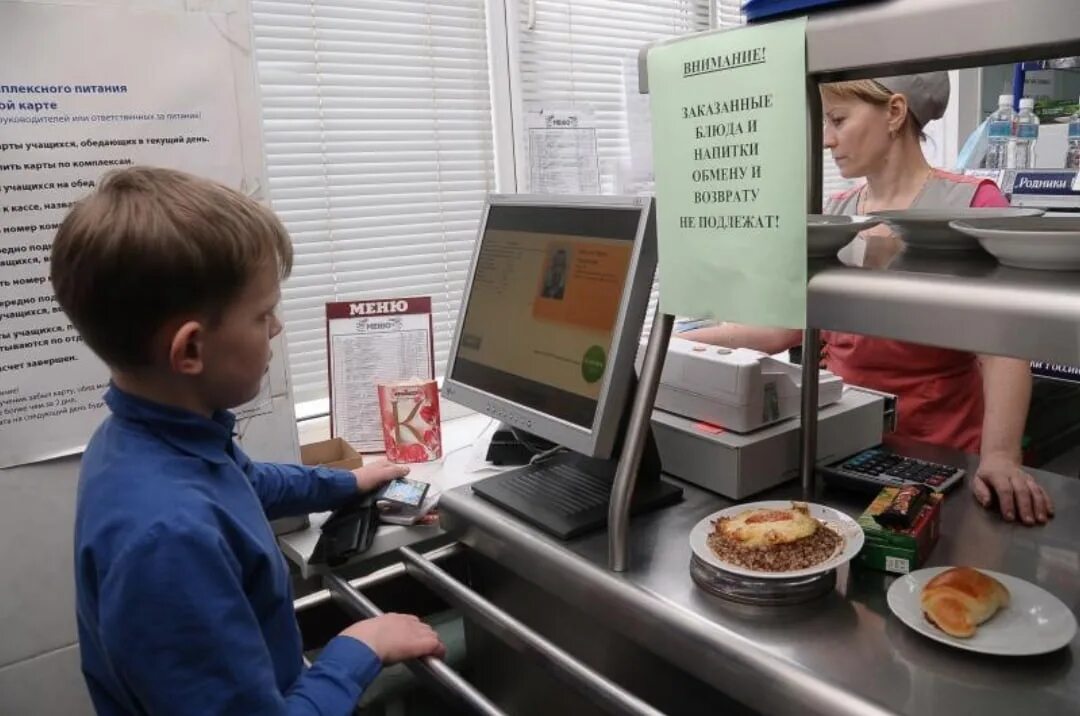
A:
(565, 500)
(873, 469)
(562, 489)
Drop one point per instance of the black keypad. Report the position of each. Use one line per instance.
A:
(886, 468)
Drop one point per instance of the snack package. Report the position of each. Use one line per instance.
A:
(904, 507)
(899, 549)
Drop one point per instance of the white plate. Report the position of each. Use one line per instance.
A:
(828, 233)
(1035, 622)
(930, 230)
(1045, 244)
(840, 523)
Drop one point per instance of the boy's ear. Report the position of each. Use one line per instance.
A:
(186, 348)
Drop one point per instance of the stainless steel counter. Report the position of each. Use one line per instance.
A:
(842, 654)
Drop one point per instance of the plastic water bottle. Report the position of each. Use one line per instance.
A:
(999, 134)
(1072, 155)
(1025, 135)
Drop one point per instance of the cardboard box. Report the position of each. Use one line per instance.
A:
(899, 551)
(334, 452)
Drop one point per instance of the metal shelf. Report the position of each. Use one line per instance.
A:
(899, 36)
(968, 303)
(893, 37)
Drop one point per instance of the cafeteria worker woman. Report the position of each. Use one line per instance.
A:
(975, 403)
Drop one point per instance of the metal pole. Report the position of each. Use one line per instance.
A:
(809, 418)
(815, 143)
(811, 347)
(641, 413)
(610, 696)
(431, 671)
(379, 576)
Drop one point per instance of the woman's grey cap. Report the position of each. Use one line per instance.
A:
(927, 93)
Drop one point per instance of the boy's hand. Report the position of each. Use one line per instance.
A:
(370, 477)
(397, 637)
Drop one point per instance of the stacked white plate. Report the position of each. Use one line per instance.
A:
(828, 233)
(848, 529)
(931, 230)
(1050, 243)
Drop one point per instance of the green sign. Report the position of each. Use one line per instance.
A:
(729, 146)
(593, 363)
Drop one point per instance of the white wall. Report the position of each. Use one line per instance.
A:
(39, 664)
(39, 658)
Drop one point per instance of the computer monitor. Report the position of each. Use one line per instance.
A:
(549, 327)
(552, 313)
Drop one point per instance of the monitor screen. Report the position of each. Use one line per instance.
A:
(539, 326)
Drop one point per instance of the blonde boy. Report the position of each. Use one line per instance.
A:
(184, 601)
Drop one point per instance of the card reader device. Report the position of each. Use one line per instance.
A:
(405, 492)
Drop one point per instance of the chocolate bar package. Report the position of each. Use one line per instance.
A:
(899, 549)
(904, 507)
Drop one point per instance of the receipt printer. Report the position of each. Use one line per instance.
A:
(739, 389)
(724, 419)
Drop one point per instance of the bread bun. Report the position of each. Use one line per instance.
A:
(960, 599)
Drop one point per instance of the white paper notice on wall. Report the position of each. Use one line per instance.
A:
(165, 96)
(562, 151)
(372, 342)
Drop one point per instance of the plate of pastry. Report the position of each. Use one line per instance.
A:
(982, 611)
(776, 539)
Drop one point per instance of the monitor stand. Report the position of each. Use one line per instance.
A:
(567, 494)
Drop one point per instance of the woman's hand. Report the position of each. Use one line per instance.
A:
(371, 477)
(1001, 477)
(737, 335)
(1007, 391)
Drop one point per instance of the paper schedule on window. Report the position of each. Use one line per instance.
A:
(562, 151)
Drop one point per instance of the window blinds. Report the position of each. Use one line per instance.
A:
(729, 13)
(377, 129)
(574, 54)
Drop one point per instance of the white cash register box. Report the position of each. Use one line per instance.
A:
(737, 389)
(725, 419)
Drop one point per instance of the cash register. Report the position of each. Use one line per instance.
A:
(727, 420)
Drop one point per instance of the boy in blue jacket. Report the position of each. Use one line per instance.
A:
(184, 602)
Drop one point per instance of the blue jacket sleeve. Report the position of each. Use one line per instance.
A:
(286, 490)
(179, 631)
